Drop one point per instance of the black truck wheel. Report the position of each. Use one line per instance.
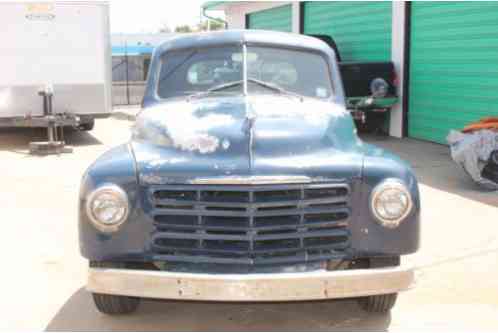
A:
(114, 304)
(87, 126)
(378, 303)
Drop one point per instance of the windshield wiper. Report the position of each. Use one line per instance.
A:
(268, 85)
(217, 88)
(275, 88)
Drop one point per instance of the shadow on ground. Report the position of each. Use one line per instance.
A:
(17, 139)
(434, 167)
(79, 314)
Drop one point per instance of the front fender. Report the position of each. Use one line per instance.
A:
(116, 166)
(367, 235)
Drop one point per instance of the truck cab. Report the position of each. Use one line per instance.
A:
(245, 181)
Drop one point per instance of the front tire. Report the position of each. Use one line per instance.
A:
(114, 304)
(88, 126)
(378, 303)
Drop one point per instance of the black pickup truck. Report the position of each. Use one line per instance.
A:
(370, 87)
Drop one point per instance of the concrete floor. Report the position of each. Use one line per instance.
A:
(44, 276)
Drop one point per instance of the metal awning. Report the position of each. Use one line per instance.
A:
(214, 5)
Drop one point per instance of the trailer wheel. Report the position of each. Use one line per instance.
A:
(114, 304)
(88, 126)
(378, 303)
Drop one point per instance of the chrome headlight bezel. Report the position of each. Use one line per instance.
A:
(390, 184)
(119, 194)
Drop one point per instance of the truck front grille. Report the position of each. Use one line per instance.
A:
(250, 224)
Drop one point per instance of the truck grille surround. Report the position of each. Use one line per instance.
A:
(250, 224)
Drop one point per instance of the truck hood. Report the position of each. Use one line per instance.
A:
(268, 135)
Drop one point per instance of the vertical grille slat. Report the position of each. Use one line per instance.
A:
(250, 225)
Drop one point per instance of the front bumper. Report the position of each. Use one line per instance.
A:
(250, 287)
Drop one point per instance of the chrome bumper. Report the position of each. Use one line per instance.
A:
(250, 287)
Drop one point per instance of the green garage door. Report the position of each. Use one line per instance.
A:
(453, 66)
(361, 30)
(278, 18)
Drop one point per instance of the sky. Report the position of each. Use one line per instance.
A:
(146, 16)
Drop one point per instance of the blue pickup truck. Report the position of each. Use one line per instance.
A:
(245, 181)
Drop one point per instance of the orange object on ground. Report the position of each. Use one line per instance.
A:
(489, 123)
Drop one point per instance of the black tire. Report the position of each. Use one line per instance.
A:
(88, 126)
(114, 304)
(378, 303)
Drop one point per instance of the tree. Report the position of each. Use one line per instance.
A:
(213, 25)
(165, 28)
(183, 28)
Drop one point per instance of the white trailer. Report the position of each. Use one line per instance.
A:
(55, 64)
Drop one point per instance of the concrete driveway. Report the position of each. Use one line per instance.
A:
(43, 276)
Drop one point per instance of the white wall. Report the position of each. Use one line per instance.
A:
(398, 58)
(296, 14)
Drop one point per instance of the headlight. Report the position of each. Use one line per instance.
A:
(391, 202)
(107, 207)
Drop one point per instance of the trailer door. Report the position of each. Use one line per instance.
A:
(65, 45)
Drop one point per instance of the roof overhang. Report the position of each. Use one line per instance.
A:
(214, 5)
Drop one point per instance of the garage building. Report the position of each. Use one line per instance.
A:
(445, 53)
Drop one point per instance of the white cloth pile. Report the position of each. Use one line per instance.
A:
(472, 152)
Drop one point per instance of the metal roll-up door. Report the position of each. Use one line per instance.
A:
(277, 18)
(453, 66)
(361, 30)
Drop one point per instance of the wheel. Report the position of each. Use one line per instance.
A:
(88, 126)
(378, 303)
(114, 304)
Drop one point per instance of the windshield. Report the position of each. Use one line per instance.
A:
(303, 73)
(186, 72)
(221, 71)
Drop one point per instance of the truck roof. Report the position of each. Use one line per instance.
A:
(236, 37)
